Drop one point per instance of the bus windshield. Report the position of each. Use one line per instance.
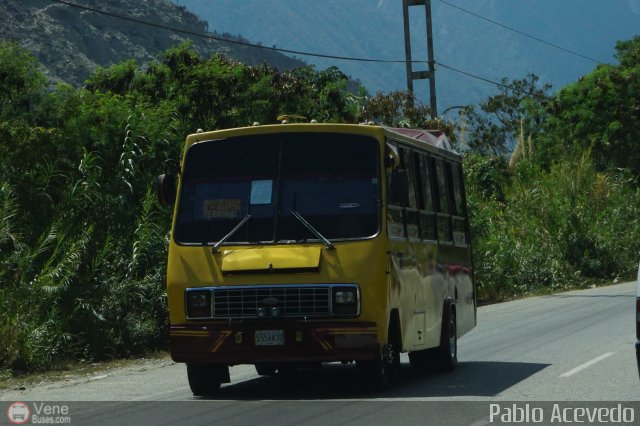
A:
(271, 181)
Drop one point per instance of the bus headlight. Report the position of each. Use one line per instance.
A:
(345, 297)
(345, 301)
(198, 304)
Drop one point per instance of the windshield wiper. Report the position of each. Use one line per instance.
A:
(217, 245)
(313, 230)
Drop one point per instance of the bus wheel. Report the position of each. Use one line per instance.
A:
(447, 355)
(383, 367)
(205, 379)
(265, 369)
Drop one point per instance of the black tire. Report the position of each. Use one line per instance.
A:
(447, 352)
(205, 379)
(381, 370)
(266, 369)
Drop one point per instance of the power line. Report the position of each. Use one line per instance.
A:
(506, 86)
(297, 52)
(486, 80)
(521, 32)
(225, 40)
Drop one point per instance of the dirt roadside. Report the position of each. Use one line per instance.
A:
(72, 373)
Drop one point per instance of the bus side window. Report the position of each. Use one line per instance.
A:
(460, 218)
(395, 222)
(442, 199)
(411, 216)
(406, 163)
(425, 198)
(398, 197)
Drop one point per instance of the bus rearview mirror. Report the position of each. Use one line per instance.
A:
(165, 186)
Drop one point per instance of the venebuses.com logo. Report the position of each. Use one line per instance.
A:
(18, 413)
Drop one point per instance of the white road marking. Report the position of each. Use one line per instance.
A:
(586, 364)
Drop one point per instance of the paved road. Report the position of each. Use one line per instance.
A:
(575, 346)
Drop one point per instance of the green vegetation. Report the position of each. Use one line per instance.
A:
(566, 207)
(83, 241)
(537, 230)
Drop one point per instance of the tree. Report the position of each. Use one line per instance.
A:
(115, 79)
(498, 123)
(21, 82)
(82, 239)
(402, 109)
(600, 112)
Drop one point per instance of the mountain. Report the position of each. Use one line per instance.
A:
(374, 29)
(71, 42)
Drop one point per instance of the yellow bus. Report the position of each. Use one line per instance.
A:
(303, 244)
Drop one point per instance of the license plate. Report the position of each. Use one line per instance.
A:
(269, 337)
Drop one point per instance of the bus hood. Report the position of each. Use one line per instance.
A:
(261, 259)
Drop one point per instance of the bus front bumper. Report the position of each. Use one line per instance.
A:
(268, 342)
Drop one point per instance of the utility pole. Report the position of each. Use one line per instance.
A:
(430, 73)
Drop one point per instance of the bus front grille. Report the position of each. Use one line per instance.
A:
(271, 301)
